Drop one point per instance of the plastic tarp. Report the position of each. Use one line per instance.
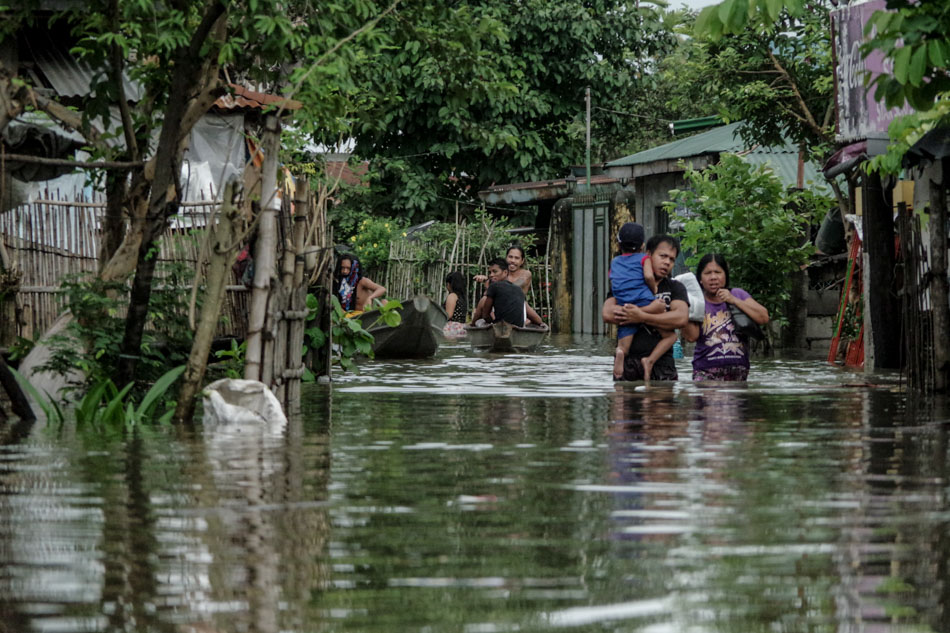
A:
(216, 153)
(35, 134)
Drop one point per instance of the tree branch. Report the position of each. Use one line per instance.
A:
(807, 116)
(63, 162)
(115, 69)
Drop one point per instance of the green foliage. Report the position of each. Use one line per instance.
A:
(677, 88)
(735, 16)
(233, 359)
(769, 64)
(482, 91)
(906, 130)
(371, 238)
(915, 37)
(349, 337)
(745, 213)
(389, 313)
(47, 404)
(106, 405)
(20, 348)
(91, 342)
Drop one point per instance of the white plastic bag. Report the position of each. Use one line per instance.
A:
(235, 402)
(697, 302)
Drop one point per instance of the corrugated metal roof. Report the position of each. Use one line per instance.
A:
(782, 160)
(68, 76)
(533, 192)
(784, 164)
(720, 139)
(242, 98)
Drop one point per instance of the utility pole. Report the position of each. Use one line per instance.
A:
(589, 188)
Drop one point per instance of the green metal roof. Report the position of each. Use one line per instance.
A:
(717, 140)
(782, 160)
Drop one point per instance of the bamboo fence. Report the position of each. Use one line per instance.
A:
(54, 237)
(411, 270)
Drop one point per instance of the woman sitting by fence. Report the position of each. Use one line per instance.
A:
(456, 305)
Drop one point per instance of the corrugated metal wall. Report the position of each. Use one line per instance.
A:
(590, 259)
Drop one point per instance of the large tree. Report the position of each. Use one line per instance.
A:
(491, 91)
(182, 52)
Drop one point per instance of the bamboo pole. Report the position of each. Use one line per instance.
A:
(264, 255)
(221, 257)
(298, 297)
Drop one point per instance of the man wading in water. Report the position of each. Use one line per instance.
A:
(662, 250)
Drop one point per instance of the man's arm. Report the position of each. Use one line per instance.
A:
(648, 277)
(483, 309)
(374, 289)
(674, 318)
(612, 313)
(532, 315)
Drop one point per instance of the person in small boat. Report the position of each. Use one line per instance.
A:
(355, 292)
(456, 305)
(517, 273)
(505, 298)
(720, 352)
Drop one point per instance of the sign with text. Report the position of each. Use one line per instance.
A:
(860, 115)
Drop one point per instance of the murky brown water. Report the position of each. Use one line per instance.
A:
(484, 494)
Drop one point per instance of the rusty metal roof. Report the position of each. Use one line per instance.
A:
(532, 192)
(241, 98)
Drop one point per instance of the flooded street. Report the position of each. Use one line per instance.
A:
(482, 494)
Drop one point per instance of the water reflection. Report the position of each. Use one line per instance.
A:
(476, 493)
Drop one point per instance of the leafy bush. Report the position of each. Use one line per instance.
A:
(744, 212)
(91, 342)
(370, 243)
(106, 405)
(350, 338)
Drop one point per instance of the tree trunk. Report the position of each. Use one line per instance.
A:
(18, 401)
(221, 257)
(938, 281)
(265, 258)
(112, 226)
(164, 194)
(883, 314)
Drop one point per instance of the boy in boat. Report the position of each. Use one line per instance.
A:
(355, 292)
(632, 281)
(506, 298)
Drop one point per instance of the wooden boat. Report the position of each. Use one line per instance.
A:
(505, 337)
(417, 336)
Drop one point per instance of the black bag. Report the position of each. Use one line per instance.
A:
(746, 328)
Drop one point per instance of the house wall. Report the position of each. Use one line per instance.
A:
(651, 192)
(563, 254)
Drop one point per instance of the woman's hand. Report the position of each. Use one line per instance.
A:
(481, 278)
(723, 295)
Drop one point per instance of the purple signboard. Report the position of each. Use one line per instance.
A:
(860, 115)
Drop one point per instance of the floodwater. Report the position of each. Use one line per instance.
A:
(482, 494)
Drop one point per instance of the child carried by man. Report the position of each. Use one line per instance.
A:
(632, 281)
